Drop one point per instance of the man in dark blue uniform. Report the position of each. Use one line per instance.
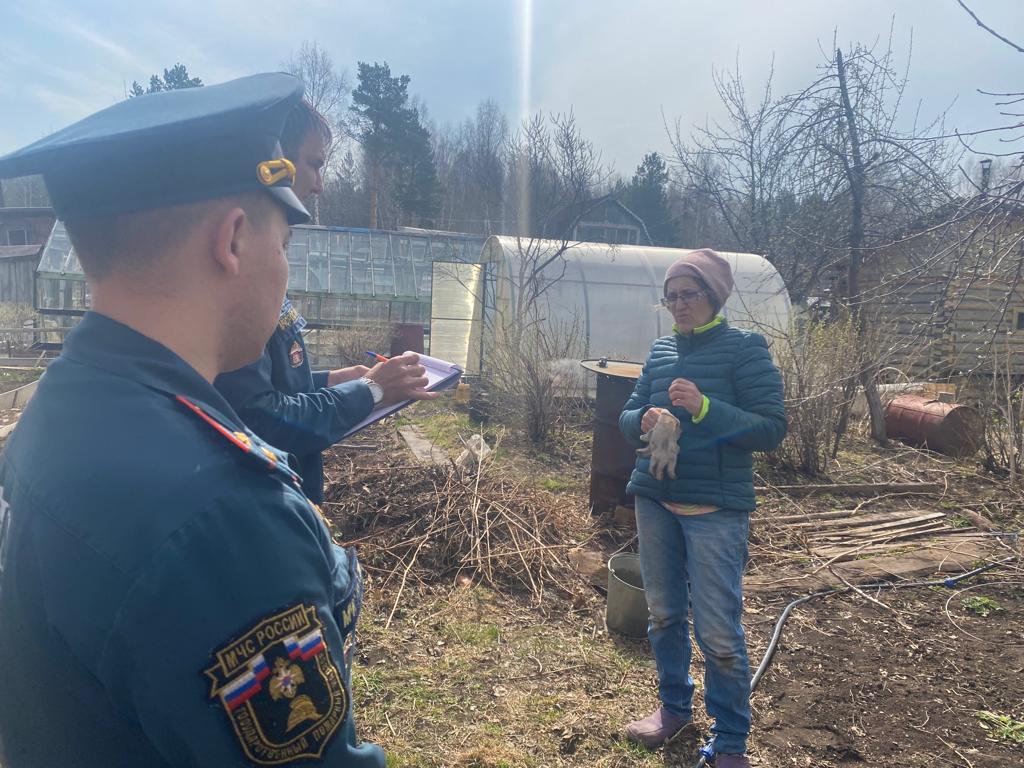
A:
(168, 596)
(279, 397)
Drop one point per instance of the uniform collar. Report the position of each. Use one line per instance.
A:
(101, 342)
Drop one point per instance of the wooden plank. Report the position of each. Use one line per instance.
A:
(938, 557)
(856, 549)
(845, 517)
(863, 530)
(941, 557)
(853, 489)
(854, 542)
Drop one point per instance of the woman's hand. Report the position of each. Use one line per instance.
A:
(684, 394)
(651, 418)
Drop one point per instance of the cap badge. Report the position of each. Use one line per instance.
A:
(271, 172)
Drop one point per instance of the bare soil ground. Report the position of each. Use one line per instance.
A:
(455, 669)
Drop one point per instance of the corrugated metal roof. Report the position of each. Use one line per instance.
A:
(12, 212)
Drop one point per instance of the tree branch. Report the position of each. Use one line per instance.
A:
(989, 29)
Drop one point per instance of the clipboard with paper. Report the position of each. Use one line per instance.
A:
(440, 375)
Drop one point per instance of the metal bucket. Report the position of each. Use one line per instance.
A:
(955, 430)
(626, 613)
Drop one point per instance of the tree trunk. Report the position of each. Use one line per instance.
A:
(374, 190)
(855, 175)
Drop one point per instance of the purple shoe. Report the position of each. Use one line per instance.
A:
(656, 729)
(731, 761)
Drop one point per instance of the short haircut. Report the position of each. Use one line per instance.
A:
(302, 121)
(127, 242)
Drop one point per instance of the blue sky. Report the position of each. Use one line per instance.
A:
(618, 64)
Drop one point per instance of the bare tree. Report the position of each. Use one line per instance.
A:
(747, 171)
(486, 138)
(471, 166)
(820, 180)
(553, 175)
(327, 90)
(530, 337)
(847, 121)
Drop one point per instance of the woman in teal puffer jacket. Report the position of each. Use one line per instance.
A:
(721, 383)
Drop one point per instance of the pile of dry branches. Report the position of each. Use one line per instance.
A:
(427, 523)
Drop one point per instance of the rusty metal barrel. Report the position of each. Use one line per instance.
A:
(948, 428)
(407, 337)
(611, 458)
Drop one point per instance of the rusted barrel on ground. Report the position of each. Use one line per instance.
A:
(948, 428)
(611, 458)
(407, 337)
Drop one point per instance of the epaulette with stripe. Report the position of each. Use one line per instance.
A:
(258, 450)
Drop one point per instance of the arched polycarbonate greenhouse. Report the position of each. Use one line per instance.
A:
(609, 292)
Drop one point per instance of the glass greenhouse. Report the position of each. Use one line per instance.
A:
(337, 275)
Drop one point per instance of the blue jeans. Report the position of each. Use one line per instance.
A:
(698, 561)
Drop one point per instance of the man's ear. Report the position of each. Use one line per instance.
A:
(230, 237)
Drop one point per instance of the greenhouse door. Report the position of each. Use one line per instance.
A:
(456, 313)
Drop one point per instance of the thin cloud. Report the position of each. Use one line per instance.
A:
(62, 103)
(61, 20)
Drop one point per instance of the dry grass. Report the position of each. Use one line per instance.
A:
(410, 520)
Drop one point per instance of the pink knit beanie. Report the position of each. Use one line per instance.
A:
(708, 268)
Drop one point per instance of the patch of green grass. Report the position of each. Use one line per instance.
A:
(982, 606)
(12, 379)
(627, 747)
(439, 424)
(408, 689)
(396, 760)
(556, 484)
(959, 521)
(493, 729)
(471, 633)
(545, 710)
(1002, 727)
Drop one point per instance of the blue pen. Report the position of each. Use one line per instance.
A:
(377, 357)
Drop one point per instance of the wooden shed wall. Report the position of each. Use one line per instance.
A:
(935, 326)
(16, 279)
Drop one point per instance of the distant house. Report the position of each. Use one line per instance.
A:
(602, 220)
(23, 234)
(948, 298)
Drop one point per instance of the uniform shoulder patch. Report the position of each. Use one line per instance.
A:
(249, 443)
(279, 687)
(290, 317)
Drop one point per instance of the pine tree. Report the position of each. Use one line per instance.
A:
(396, 144)
(174, 79)
(646, 196)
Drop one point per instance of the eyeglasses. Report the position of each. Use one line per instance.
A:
(687, 297)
